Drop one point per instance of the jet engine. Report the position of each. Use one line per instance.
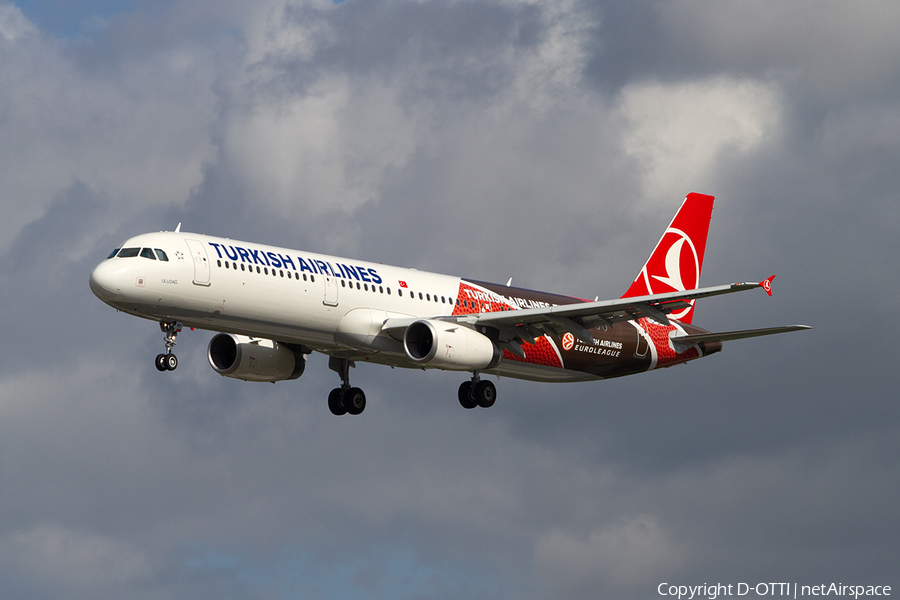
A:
(254, 359)
(449, 346)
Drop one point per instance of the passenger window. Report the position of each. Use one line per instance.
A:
(129, 252)
(114, 252)
(161, 255)
(219, 262)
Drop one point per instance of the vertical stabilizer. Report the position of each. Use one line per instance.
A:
(677, 260)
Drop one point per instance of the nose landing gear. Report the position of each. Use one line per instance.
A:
(168, 361)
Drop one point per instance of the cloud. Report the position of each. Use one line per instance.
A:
(607, 561)
(325, 150)
(550, 142)
(70, 562)
(137, 132)
(13, 24)
(679, 132)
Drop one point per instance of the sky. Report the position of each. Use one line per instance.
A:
(550, 142)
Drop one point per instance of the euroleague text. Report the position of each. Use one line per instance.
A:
(791, 590)
(601, 348)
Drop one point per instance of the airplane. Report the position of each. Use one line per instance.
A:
(272, 307)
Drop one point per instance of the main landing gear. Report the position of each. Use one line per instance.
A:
(168, 361)
(345, 399)
(477, 392)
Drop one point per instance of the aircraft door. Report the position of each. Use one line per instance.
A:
(331, 291)
(200, 260)
(643, 345)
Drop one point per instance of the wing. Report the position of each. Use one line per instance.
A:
(526, 325)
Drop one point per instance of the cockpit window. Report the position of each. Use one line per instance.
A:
(113, 253)
(129, 252)
(160, 254)
(148, 253)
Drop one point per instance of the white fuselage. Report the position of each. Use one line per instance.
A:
(329, 304)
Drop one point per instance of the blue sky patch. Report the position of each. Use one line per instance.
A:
(63, 18)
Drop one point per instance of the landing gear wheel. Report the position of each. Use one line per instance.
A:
(485, 394)
(168, 361)
(355, 401)
(467, 395)
(336, 402)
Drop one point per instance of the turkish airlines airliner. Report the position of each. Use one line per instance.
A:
(274, 306)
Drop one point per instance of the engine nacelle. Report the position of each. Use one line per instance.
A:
(449, 346)
(253, 359)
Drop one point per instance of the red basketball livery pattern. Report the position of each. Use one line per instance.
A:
(622, 349)
(473, 299)
(661, 338)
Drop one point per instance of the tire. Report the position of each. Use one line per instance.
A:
(485, 394)
(171, 362)
(160, 362)
(467, 395)
(336, 403)
(355, 401)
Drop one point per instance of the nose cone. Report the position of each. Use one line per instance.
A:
(104, 282)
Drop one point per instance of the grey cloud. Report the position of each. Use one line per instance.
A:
(486, 139)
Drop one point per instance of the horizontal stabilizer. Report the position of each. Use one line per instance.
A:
(724, 336)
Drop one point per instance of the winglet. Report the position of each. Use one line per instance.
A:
(766, 284)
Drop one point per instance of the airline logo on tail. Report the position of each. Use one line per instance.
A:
(679, 263)
(676, 262)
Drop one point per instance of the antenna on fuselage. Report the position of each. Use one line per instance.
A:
(178, 229)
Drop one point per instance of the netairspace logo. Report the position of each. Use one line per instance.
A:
(791, 590)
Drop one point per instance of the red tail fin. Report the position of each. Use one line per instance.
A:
(676, 261)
